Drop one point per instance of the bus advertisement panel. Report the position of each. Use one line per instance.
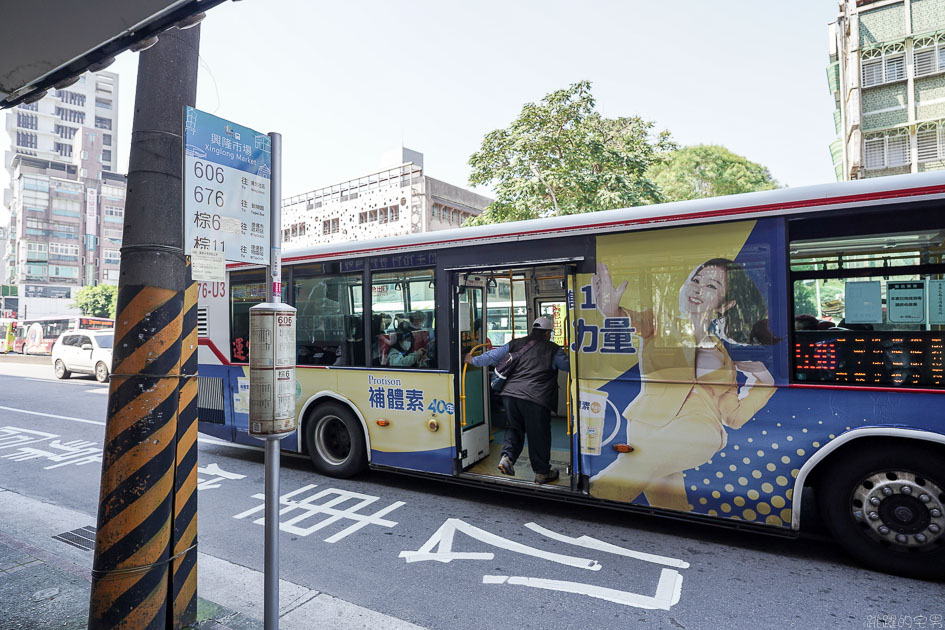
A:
(37, 336)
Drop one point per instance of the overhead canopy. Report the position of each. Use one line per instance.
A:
(48, 42)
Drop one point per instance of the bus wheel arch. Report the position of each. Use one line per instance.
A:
(885, 500)
(334, 435)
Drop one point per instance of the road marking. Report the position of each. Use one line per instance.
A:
(52, 415)
(442, 541)
(668, 589)
(309, 508)
(599, 545)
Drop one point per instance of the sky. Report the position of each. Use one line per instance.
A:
(347, 82)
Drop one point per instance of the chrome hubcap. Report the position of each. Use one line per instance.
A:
(901, 509)
(332, 440)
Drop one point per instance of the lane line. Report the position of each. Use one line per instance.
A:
(52, 415)
(202, 439)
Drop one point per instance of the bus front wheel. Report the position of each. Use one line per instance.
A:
(335, 442)
(886, 507)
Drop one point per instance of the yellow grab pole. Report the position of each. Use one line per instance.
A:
(462, 382)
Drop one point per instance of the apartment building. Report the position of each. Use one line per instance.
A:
(393, 201)
(887, 75)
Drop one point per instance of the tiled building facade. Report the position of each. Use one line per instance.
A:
(391, 202)
(887, 75)
(65, 202)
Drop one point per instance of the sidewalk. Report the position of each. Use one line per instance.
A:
(45, 561)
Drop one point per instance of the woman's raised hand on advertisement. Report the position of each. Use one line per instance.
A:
(606, 294)
(757, 369)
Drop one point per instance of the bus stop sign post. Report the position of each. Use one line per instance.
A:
(272, 383)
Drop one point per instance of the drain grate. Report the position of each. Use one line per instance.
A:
(83, 538)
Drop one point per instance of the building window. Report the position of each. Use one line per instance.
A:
(302, 229)
(326, 227)
(930, 138)
(394, 214)
(286, 234)
(26, 121)
(58, 271)
(71, 98)
(886, 150)
(103, 103)
(66, 133)
(883, 65)
(115, 192)
(36, 251)
(106, 156)
(112, 256)
(382, 215)
(107, 139)
(295, 229)
(65, 207)
(928, 55)
(103, 123)
(33, 107)
(25, 139)
(63, 149)
(114, 213)
(70, 115)
(362, 217)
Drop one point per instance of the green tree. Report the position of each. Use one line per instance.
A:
(97, 301)
(561, 156)
(708, 171)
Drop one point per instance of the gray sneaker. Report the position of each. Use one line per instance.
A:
(548, 477)
(505, 466)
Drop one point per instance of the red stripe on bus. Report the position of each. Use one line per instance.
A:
(805, 203)
(203, 341)
(858, 388)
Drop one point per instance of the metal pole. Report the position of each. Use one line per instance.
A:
(271, 566)
(271, 576)
(131, 574)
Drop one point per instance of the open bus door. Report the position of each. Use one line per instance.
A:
(473, 418)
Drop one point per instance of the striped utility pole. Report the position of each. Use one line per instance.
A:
(144, 572)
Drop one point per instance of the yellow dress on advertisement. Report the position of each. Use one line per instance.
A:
(678, 419)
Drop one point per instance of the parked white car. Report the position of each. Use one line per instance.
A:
(85, 352)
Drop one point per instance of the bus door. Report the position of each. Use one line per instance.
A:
(473, 396)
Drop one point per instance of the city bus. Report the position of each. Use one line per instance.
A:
(728, 357)
(37, 335)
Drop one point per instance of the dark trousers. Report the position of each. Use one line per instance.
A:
(534, 421)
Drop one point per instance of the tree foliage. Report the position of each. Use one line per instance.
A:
(97, 301)
(708, 171)
(560, 156)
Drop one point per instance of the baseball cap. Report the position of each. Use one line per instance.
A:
(542, 322)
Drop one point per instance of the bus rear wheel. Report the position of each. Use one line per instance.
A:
(335, 442)
(886, 507)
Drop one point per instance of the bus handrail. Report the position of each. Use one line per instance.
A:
(462, 382)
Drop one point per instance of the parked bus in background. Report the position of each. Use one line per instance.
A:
(692, 393)
(37, 336)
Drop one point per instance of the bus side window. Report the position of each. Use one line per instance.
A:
(403, 324)
(329, 327)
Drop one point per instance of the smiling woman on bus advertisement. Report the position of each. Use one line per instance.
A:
(690, 390)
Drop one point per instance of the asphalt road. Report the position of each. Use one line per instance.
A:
(441, 555)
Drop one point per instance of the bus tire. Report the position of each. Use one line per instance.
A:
(60, 370)
(335, 441)
(886, 507)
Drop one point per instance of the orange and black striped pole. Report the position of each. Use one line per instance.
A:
(145, 547)
(183, 591)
